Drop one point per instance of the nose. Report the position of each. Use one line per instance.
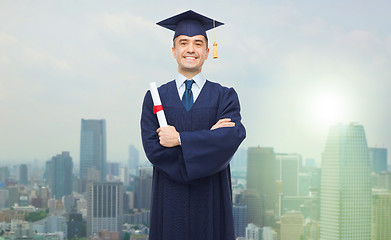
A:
(190, 48)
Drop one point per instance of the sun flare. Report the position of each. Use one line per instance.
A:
(329, 108)
(324, 107)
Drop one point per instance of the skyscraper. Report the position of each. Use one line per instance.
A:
(93, 147)
(345, 197)
(133, 160)
(292, 226)
(254, 203)
(59, 175)
(23, 174)
(4, 175)
(143, 190)
(287, 171)
(112, 169)
(260, 174)
(381, 214)
(253, 232)
(239, 161)
(3, 198)
(104, 207)
(378, 159)
(240, 219)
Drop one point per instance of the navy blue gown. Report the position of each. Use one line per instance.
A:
(191, 189)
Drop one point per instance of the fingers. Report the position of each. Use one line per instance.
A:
(225, 122)
(168, 136)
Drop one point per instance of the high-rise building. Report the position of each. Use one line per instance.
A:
(93, 147)
(104, 207)
(23, 174)
(13, 195)
(378, 160)
(240, 219)
(59, 175)
(124, 175)
(287, 170)
(260, 174)
(253, 232)
(254, 203)
(311, 229)
(239, 161)
(133, 160)
(143, 190)
(3, 198)
(268, 233)
(4, 175)
(292, 226)
(381, 214)
(113, 169)
(345, 191)
(75, 225)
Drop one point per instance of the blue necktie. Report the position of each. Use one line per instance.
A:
(187, 97)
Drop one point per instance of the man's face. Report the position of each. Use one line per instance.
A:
(190, 53)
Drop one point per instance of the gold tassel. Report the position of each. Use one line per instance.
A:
(215, 55)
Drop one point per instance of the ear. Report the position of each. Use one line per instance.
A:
(173, 52)
(206, 53)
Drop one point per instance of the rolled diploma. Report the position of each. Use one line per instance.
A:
(156, 102)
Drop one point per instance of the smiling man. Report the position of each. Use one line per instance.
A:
(191, 192)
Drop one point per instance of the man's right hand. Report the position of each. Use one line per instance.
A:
(225, 122)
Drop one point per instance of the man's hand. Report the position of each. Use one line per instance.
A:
(225, 122)
(168, 136)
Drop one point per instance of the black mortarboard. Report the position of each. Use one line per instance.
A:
(190, 24)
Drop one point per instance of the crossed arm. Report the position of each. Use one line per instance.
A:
(168, 136)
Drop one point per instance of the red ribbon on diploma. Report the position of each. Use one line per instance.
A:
(157, 108)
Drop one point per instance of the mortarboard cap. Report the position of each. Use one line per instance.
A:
(190, 24)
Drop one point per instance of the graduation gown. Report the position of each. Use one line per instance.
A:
(191, 187)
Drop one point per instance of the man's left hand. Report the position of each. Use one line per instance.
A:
(168, 136)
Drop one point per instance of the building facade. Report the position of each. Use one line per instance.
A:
(287, 171)
(240, 219)
(93, 147)
(345, 197)
(133, 160)
(381, 214)
(23, 174)
(143, 188)
(104, 207)
(378, 160)
(59, 175)
(292, 226)
(261, 176)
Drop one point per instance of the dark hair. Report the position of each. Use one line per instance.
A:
(207, 45)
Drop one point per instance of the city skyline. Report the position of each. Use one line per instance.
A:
(353, 200)
(297, 67)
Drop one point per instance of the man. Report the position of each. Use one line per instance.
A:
(191, 192)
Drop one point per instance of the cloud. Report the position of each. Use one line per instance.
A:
(126, 24)
(18, 52)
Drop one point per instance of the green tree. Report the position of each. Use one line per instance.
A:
(126, 236)
(35, 216)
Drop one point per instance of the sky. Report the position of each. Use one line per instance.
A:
(297, 66)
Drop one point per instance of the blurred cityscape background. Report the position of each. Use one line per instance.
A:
(72, 79)
(275, 195)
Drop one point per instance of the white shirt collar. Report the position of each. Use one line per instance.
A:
(199, 80)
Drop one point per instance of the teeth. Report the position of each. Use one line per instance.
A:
(190, 57)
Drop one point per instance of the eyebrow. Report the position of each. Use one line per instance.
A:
(187, 40)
